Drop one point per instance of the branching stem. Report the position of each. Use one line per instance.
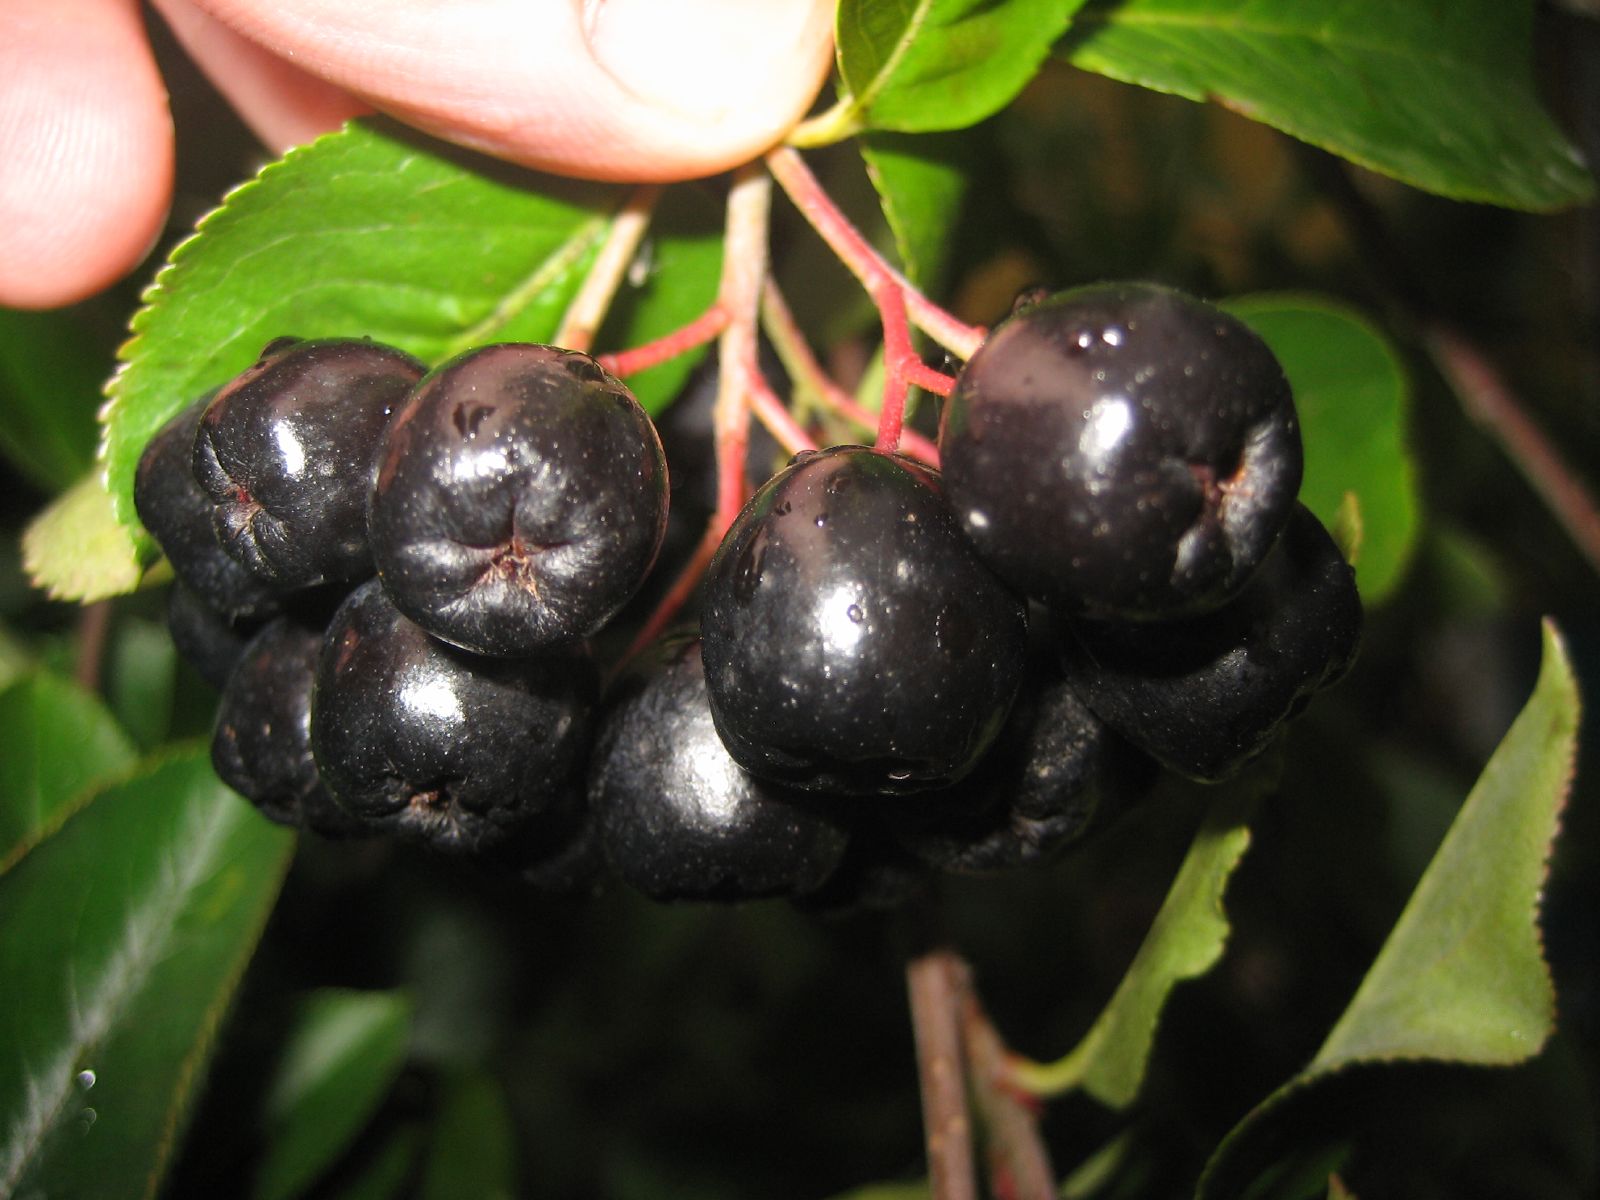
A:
(744, 269)
(864, 262)
(588, 309)
(803, 367)
(933, 983)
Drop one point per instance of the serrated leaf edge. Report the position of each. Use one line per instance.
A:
(1315, 1074)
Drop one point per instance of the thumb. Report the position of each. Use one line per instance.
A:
(636, 90)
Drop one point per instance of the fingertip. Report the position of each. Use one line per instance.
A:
(283, 105)
(627, 90)
(86, 138)
(721, 81)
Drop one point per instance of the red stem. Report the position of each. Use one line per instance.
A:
(864, 262)
(791, 342)
(680, 341)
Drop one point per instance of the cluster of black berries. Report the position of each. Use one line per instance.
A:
(896, 671)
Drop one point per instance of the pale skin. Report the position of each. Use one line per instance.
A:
(627, 90)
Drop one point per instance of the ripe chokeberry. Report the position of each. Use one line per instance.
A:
(285, 452)
(521, 498)
(425, 740)
(679, 819)
(1204, 695)
(853, 641)
(1123, 451)
(261, 743)
(178, 513)
(1056, 772)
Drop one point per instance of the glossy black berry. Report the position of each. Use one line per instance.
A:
(177, 512)
(1204, 695)
(520, 500)
(428, 741)
(1055, 773)
(854, 643)
(286, 452)
(679, 819)
(207, 640)
(261, 743)
(1123, 451)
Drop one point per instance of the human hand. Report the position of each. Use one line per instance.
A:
(609, 89)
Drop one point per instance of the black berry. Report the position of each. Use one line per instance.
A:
(853, 641)
(286, 450)
(177, 512)
(261, 744)
(1123, 451)
(520, 500)
(1055, 773)
(1204, 695)
(428, 741)
(679, 819)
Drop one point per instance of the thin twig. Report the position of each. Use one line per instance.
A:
(94, 630)
(744, 268)
(588, 309)
(1019, 1163)
(1488, 400)
(697, 332)
(933, 986)
(863, 261)
(1478, 385)
(795, 353)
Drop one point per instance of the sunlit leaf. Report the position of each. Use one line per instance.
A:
(921, 182)
(370, 232)
(122, 939)
(76, 549)
(921, 65)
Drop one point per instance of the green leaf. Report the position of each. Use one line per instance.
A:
(385, 1173)
(1352, 395)
(473, 1151)
(15, 658)
(141, 679)
(57, 742)
(1461, 977)
(372, 231)
(921, 65)
(49, 391)
(1185, 941)
(675, 279)
(921, 182)
(342, 1057)
(76, 549)
(1440, 96)
(122, 939)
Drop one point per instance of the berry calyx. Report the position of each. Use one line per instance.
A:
(285, 453)
(520, 500)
